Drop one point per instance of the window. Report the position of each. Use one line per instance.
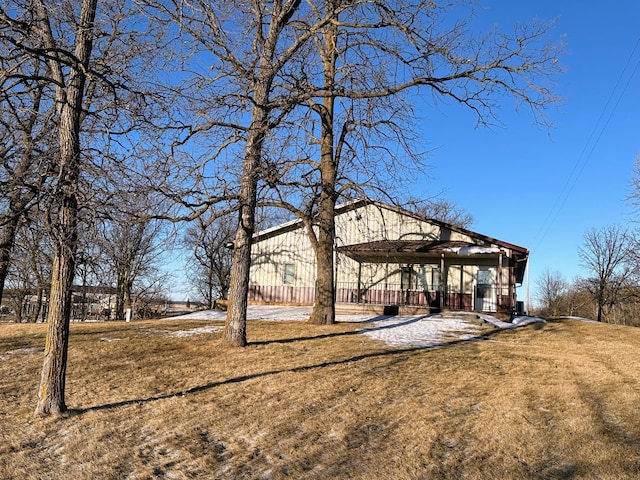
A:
(435, 278)
(405, 279)
(289, 274)
(428, 278)
(485, 276)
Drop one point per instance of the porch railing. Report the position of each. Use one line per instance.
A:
(482, 298)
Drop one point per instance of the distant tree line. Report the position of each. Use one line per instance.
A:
(610, 290)
(125, 254)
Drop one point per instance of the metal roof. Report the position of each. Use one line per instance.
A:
(417, 251)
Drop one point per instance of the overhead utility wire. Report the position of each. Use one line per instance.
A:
(581, 162)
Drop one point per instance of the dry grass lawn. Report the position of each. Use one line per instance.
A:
(552, 401)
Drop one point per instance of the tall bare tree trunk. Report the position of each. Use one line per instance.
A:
(51, 397)
(324, 312)
(69, 98)
(52, 381)
(235, 332)
(38, 307)
(7, 238)
(210, 287)
(119, 308)
(128, 298)
(601, 301)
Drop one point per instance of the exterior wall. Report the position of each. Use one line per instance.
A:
(371, 222)
(283, 266)
(270, 256)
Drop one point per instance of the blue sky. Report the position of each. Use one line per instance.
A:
(544, 189)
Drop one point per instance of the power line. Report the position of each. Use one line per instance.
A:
(583, 160)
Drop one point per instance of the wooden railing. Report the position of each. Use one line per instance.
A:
(484, 298)
(491, 298)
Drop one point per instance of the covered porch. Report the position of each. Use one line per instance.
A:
(438, 275)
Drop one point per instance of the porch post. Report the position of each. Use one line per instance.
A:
(386, 280)
(460, 297)
(359, 282)
(442, 282)
(512, 282)
(499, 293)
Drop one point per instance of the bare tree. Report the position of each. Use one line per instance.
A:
(247, 100)
(370, 57)
(90, 54)
(552, 289)
(446, 211)
(68, 70)
(27, 128)
(606, 254)
(634, 196)
(367, 54)
(210, 265)
(132, 245)
(327, 45)
(579, 300)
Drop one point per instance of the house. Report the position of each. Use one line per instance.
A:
(386, 255)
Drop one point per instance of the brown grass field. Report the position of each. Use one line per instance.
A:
(545, 401)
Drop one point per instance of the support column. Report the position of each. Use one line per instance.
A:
(359, 282)
(462, 290)
(500, 291)
(386, 280)
(443, 282)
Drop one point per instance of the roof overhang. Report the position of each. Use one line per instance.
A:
(429, 251)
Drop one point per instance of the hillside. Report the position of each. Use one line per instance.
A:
(162, 399)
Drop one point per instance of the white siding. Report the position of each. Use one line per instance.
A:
(270, 255)
(366, 224)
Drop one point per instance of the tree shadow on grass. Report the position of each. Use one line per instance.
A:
(299, 369)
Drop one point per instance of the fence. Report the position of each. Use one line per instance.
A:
(483, 297)
(486, 298)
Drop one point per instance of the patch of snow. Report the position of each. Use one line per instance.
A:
(582, 319)
(516, 322)
(525, 320)
(472, 250)
(254, 312)
(406, 330)
(187, 333)
(195, 331)
(421, 331)
(22, 351)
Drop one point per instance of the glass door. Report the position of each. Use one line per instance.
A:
(486, 282)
